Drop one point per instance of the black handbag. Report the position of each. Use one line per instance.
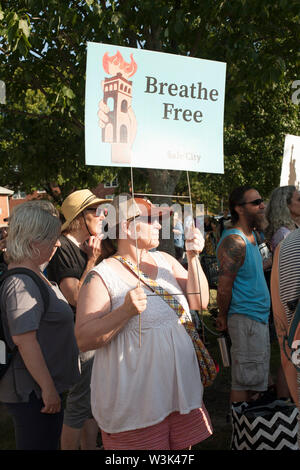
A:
(210, 267)
(264, 426)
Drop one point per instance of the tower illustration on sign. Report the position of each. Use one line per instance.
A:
(116, 117)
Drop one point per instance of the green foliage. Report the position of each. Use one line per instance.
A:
(43, 60)
(253, 148)
(256, 141)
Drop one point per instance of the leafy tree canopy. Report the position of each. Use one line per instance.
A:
(43, 59)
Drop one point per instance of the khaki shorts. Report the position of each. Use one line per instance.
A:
(78, 403)
(250, 353)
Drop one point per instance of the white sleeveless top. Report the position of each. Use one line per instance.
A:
(134, 387)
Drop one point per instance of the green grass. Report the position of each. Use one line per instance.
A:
(7, 438)
(216, 397)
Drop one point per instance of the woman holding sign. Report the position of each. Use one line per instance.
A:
(146, 389)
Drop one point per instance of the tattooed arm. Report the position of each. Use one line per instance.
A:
(231, 255)
(281, 325)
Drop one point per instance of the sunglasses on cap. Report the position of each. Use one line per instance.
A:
(255, 202)
(148, 219)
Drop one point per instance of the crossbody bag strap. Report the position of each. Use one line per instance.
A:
(45, 297)
(206, 364)
(154, 286)
(40, 284)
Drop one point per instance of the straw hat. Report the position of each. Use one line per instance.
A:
(76, 202)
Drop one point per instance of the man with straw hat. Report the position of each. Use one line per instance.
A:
(79, 252)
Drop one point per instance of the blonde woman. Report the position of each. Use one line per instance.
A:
(282, 214)
(46, 360)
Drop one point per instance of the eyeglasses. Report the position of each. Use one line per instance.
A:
(97, 211)
(255, 202)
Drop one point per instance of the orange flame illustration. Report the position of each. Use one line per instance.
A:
(116, 64)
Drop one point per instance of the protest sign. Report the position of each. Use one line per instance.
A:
(153, 110)
(290, 170)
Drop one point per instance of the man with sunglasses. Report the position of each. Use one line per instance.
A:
(79, 252)
(243, 296)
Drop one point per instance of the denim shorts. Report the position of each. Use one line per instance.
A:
(250, 353)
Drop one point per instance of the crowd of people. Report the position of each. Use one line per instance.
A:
(107, 353)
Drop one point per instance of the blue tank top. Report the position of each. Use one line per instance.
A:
(250, 293)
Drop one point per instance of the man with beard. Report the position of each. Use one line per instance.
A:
(243, 296)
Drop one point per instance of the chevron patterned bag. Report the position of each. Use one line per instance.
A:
(264, 426)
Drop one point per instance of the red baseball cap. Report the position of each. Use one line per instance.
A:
(151, 210)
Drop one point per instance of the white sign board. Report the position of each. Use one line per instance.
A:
(153, 110)
(290, 170)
